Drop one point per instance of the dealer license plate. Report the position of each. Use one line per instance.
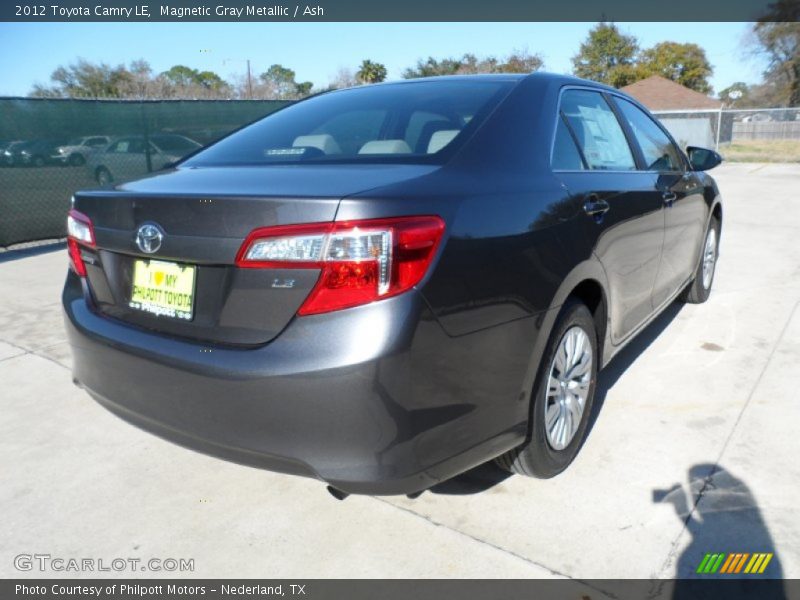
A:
(163, 288)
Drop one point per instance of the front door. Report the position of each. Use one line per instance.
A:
(682, 195)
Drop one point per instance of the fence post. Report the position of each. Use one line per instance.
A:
(719, 128)
(146, 135)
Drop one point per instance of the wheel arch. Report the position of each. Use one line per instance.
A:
(716, 212)
(587, 282)
(592, 294)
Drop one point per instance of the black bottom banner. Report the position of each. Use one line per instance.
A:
(392, 589)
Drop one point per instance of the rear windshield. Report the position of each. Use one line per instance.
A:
(412, 122)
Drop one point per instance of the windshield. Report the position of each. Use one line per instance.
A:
(75, 141)
(409, 122)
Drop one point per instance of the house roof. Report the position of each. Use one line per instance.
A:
(658, 93)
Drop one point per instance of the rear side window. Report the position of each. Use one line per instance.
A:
(566, 156)
(597, 130)
(660, 154)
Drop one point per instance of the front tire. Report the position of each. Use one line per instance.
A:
(562, 398)
(103, 176)
(699, 289)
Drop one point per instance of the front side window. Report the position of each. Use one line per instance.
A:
(597, 131)
(407, 122)
(121, 147)
(660, 154)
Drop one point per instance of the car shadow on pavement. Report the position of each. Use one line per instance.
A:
(45, 248)
(474, 481)
(721, 515)
(623, 360)
(488, 475)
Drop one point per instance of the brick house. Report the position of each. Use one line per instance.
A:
(658, 93)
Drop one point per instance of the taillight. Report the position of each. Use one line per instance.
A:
(361, 261)
(79, 232)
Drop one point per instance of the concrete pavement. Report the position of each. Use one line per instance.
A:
(694, 450)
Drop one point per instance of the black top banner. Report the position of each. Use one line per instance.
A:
(399, 10)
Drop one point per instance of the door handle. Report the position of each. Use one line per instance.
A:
(595, 207)
(669, 198)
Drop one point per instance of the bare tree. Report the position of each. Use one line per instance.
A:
(779, 42)
(344, 78)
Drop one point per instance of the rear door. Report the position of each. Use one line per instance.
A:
(623, 219)
(682, 194)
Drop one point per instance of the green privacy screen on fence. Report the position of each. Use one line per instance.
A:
(49, 148)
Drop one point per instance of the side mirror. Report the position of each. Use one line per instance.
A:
(702, 159)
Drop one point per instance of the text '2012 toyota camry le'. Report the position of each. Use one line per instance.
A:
(382, 287)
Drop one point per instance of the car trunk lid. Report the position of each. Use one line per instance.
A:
(204, 216)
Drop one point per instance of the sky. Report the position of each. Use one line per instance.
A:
(316, 51)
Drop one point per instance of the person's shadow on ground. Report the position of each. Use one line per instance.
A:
(724, 518)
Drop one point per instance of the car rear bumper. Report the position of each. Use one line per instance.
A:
(354, 398)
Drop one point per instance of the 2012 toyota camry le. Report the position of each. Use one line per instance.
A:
(382, 287)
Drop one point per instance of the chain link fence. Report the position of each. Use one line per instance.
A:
(743, 135)
(50, 148)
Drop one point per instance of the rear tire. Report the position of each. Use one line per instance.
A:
(568, 370)
(699, 289)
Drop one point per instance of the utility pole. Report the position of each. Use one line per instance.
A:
(249, 74)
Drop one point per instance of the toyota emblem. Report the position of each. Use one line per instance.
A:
(149, 237)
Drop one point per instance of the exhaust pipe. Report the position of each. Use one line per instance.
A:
(338, 494)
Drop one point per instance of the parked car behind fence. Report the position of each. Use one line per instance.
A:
(134, 155)
(77, 150)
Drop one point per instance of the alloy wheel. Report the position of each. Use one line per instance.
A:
(568, 387)
(709, 257)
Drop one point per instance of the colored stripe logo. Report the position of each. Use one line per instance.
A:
(734, 562)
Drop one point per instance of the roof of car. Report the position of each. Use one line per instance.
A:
(540, 75)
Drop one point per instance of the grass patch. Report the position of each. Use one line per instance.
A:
(781, 151)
